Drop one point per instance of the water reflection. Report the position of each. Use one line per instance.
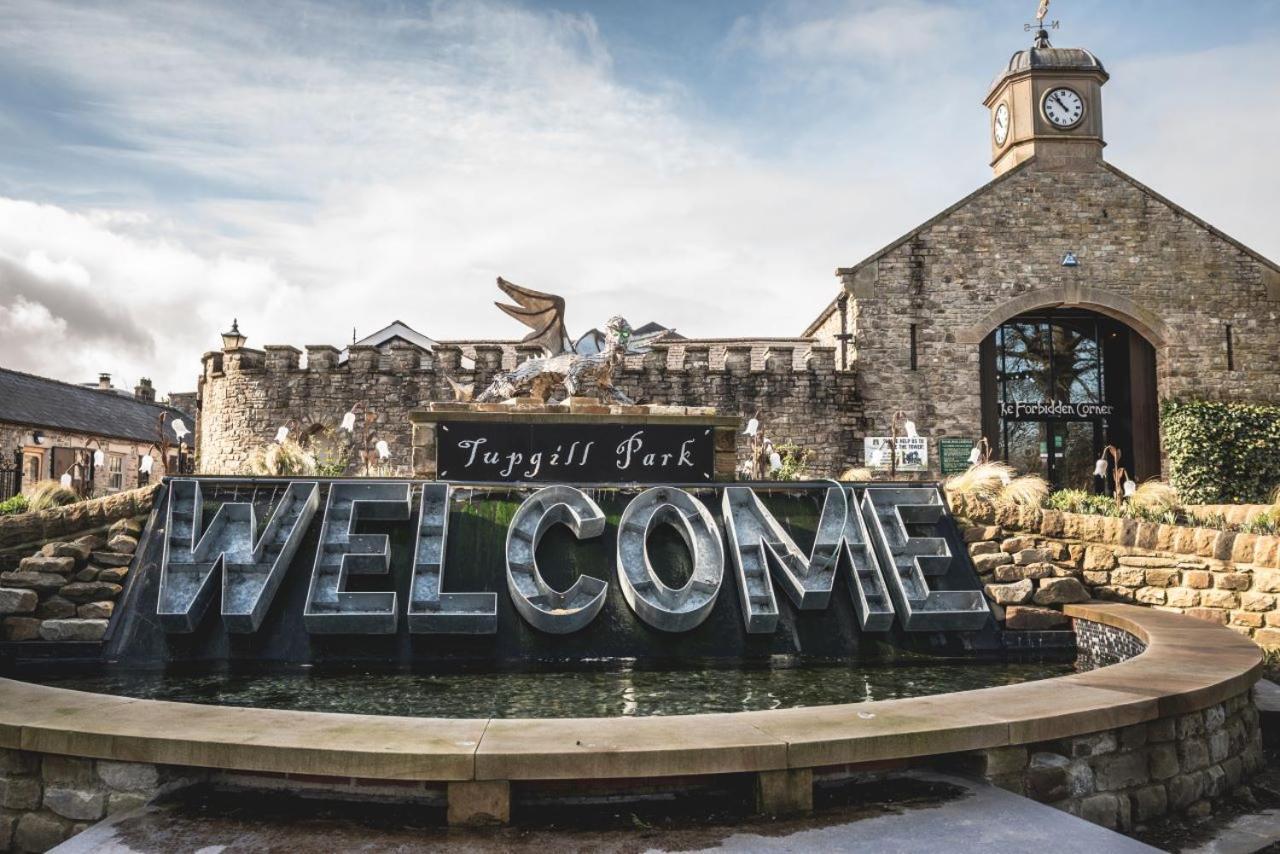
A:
(595, 693)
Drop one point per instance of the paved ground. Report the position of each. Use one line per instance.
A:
(921, 813)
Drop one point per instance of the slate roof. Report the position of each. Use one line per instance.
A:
(41, 402)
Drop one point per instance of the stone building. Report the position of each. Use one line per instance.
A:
(1050, 311)
(95, 435)
(1054, 308)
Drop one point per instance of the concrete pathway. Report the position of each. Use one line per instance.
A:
(972, 817)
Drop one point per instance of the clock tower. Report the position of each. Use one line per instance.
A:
(1047, 103)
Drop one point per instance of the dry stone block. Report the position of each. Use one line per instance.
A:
(1231, 580)
(131, 527)
(1129, 576)
(1097, 578)
(1150, 595)
(73, 630)
(1161, 577)
(1148, 802)
(39, 831)
(1109, 593)
(1101, 809)
(1148, 561)
(21, 628)
(79, 552)
(96, 611)
(15, 600)
(1267, 638)
(1010, 594)
(982, 533)
(129, 776)
(92, 591)
(42, 582)
(114, 574)
(1181, 597)
(1027, 557)
(1120, 771)
(983, 548)
(1219, 599)
(56, 608)
(1248, 619)
(987, 563)
(76, 804)
(122, 544)
(1017, 544)
(1198, 579)
(1099, 558)
(69, 771)
(19, 793)
(1257, 601)
(1266, 582)
(1162, 761)
(1025, 618)
(55, 565)
(1061, 591)
(111, 559)
(1014, 572)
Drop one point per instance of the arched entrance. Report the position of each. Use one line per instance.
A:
(1059, 384)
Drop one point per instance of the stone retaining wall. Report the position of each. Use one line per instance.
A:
(22, 533)
(46, 799)
(67, 590)
(1032, 561)
(1122, 778)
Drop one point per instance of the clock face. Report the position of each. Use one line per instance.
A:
(1063, 107)
(1001, 127)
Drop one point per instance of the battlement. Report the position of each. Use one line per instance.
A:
(468, 361)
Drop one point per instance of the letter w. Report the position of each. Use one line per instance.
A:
(251, 571)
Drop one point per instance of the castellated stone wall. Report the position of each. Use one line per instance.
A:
(246, 395)
(999, 253)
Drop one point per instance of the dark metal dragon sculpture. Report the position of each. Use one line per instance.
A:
(580, 374)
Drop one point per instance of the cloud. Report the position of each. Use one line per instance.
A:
(307, 167)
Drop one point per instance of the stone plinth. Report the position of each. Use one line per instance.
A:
(578, 411)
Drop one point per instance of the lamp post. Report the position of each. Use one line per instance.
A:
(232, 339)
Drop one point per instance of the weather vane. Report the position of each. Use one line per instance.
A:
(1041, 26)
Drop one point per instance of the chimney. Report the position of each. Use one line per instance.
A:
(104, 382)
(145, 391)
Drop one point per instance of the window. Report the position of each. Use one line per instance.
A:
(115, 472)
(33, 463)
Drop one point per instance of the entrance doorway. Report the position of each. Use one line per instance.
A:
(1059, 385)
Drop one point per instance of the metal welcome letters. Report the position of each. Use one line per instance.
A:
(872, 535)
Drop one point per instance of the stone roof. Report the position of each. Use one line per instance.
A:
(1049, 59)
(34, 401)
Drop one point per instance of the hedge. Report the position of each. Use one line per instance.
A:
(1222, 453)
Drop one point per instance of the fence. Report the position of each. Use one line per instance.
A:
(11, 476)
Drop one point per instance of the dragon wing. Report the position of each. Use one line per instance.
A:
(543, 313)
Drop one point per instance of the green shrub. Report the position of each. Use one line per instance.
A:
(16, 504)
(1222, 453)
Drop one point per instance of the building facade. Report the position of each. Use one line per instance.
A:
(1049, 313)
(1054, 308)
(92, 438)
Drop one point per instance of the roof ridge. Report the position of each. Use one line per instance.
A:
(128, 398)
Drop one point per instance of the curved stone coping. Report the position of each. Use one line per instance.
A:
(1188, 665)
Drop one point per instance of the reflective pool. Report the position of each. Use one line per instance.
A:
(589, 693)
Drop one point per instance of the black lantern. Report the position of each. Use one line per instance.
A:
(232, 339)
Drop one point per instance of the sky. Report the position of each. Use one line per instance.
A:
(312, 167)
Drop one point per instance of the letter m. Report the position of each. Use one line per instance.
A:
(252, 565)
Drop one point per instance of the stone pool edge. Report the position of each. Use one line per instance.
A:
(1188, 667)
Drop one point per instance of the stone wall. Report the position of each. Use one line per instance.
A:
(1123, 778)
(22, 533)
(246, 395)
(67, 590)
(999, 253)
(1032, 560)
(46, 799)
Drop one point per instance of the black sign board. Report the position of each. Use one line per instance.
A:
(560, 452)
